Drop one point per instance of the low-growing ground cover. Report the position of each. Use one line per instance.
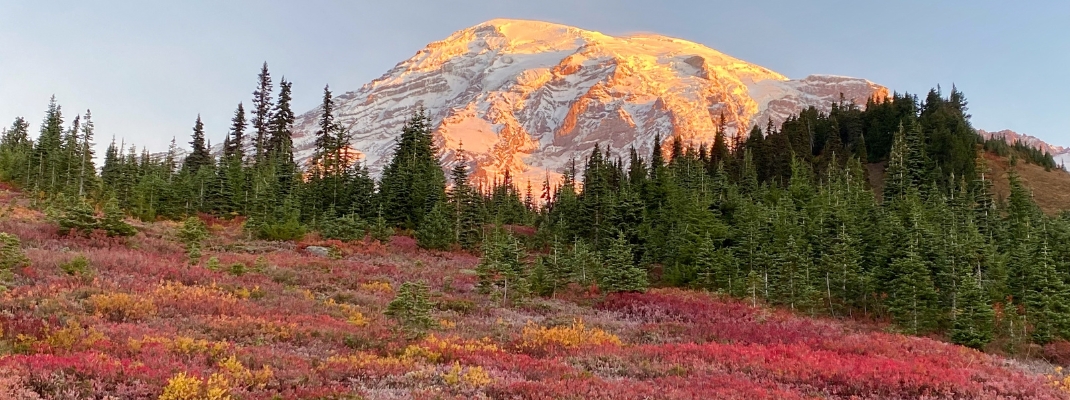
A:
(97, 317)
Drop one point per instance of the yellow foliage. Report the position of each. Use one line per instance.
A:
(575, 335)
(377, 287)
(433, 347)
(182, 387)
(418, 353)
(473, 376)
(184, 345)
(218, 385)
(446, 324)
(351, 313)
(70, 337)
(185, 387)
(122, 307)
(194, 294)
(217, 388)
(368, 360)
(1059, 380)
(233, 369)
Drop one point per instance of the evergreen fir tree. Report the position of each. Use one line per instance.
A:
(47, 149)
(113, 221)
(620, 273)
(381, 230)
(78, 217)
(437, 231)
(501, 271)
(15, 151)
(411, 307)
(413, 182)
(198, 156)
(235, 146)
(464, 205)
(913, 298)
(973, 326)
(262, 108)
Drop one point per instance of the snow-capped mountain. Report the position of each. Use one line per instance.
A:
(528, 96)
(1061, 154)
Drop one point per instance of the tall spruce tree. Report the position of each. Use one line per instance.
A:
(198, 155)
(262, 110)
(413, 182)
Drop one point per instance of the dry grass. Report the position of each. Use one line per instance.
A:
(1051, 189)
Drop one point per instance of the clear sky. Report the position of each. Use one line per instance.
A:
(146, 69)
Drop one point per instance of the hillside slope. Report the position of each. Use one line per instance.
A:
(1051, 189)
(270, 320)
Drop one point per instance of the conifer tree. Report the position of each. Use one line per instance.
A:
(15, 151)
(234, 147)
(841, 271)
(620, 273)
(411, 307)
(437, 230)
(719, 150)
(70, 158)
(198, 156)
(78, 216)
(501, 271)
(113, 222)
(973, 323)
(413, 182)
(47, 149)
(381, 230)
(555, 270)
(464, 206)
(280, 144)
(913, 298)
(86, 168)
(897, 177)
(262, 108)
(281, 124)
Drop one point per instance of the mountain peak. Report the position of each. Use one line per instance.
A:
(529, 96)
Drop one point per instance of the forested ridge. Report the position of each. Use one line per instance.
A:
(784, 215)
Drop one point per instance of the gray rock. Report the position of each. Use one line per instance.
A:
(318, 251)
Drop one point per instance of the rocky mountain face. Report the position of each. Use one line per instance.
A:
(528, 96)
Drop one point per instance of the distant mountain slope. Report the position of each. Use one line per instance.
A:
(1061, 154)
(527, 96)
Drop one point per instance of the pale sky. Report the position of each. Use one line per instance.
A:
(146, 69)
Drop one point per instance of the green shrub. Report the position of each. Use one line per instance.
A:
(11, 257)
(289, 230)
(237, 269)
(77, 266)
(460, 306)
(213, 264)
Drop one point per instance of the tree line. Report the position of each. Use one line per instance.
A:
(784, 215)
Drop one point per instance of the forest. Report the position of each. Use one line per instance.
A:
(787, 216)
